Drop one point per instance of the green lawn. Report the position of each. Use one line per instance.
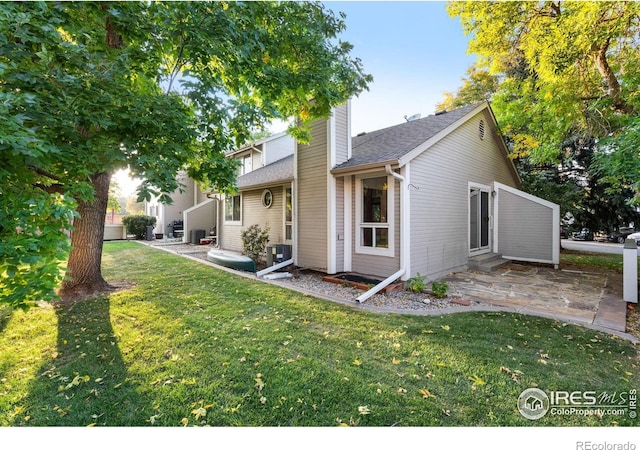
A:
(186, 344)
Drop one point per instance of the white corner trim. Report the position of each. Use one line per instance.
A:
(349, 154)
(348, 221)
(332, 238)
(405, 222)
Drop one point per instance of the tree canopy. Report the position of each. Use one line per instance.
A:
(89, 88)
(566, 96)
(566, 67)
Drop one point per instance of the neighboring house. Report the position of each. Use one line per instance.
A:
(201, 211)
(425, 196)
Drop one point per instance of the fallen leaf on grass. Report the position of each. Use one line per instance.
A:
(364, 410)
(425, 393)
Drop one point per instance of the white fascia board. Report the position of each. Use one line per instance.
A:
(519, 193)
(433, 140)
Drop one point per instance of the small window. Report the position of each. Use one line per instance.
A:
(481, 129)
(232, 208)
(267, 198)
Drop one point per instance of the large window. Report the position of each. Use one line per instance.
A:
(375, 211)
(232, 208)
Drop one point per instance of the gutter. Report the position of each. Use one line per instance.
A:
(386, 282)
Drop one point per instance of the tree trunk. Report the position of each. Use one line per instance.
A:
(84, 267)
(614, 89)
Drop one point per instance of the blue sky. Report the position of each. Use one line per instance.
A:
(414, 51)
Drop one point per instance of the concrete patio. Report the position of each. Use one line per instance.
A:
(572, 295)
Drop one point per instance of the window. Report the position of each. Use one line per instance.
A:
(267, 198)
(232, 208)
(374, 210)
(288, 214)
(247, 164)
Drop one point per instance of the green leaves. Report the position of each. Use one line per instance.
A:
(88, 88)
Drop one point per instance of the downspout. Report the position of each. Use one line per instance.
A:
(386, 282)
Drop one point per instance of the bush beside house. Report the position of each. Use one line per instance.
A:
(137, 225)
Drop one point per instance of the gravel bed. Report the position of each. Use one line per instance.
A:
(312, 281)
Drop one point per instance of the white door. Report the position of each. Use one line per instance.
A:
(479, 218)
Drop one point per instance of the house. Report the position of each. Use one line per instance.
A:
(426, 196)
(198, 211)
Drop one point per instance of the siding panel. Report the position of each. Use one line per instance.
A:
(311, 190)
(439, 192)
(373, 265)
(254, 213)
(524, 227)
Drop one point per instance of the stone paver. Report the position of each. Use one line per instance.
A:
(586, 297)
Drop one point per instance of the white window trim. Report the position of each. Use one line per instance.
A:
(224, 211)
(390, 225)
(284, 214)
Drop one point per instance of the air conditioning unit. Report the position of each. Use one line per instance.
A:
(277, 253)
(196, 235)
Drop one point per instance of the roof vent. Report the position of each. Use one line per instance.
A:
(481, 129)
(361, 134)
(443, 111)
(412, 118)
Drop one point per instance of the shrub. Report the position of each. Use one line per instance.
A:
(137, 225)
(254, 241)
(440, 288)
(416, 284)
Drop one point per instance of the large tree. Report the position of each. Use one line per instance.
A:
(568, 68)
(568, 90)
(89, 88)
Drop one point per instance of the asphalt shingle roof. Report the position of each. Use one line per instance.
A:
(385, 145)
(390, 144)
(278, 171)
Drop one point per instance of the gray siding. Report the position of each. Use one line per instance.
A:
(439, 192)
(525, 228)
(254, 213)
(201, 217)
(278, 148)
(342, 133)
(311, 192)
(377, 266)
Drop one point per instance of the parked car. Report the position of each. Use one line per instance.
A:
(635, 236)
(583, 235)
(621, 235)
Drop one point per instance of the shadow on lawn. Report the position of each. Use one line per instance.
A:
(85, 382)
(5, 315)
